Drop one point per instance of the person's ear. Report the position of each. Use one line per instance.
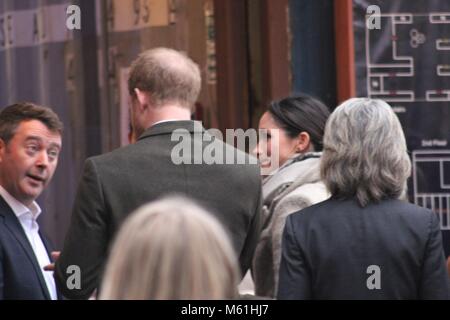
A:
(2, 149)
(143, 98)
(303, 142)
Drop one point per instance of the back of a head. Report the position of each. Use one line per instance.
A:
(13, 115)
(171, 249)
(301, 113)
(365, 154)
(168, 75)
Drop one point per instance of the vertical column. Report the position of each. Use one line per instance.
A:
(232, 64)
(345, 50)
(276, 49)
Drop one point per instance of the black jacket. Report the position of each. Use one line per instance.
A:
(330, 251)
(20, 274)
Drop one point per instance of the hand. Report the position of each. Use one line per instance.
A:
(51, 267)
(448, 266)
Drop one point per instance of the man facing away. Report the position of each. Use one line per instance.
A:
(30, 142)
(163, 86)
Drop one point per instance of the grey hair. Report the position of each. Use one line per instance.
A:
(171, 249)
(168, 75)
(365, 154)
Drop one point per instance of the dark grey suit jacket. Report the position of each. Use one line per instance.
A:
(20, 274)
(115, 184)
(328, 248)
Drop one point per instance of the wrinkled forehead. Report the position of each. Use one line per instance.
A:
(35, 130)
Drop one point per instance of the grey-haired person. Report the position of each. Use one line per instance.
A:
(171, 249)
(364, 242)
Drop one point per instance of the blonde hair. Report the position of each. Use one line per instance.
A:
(365, 154)
(171, 249)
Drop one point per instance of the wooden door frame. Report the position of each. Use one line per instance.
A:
(233, 75)
(345, 50)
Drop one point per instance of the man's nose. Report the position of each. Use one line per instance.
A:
(42, 160)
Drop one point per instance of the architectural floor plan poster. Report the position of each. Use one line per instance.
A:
(405, 60)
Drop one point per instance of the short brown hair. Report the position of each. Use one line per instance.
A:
(168, 75)
(13, 115)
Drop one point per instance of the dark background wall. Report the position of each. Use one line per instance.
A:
(250, 52)
(313, 49)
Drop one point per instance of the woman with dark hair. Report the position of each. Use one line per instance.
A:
(291, 146)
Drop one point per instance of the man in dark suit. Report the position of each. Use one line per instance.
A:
(163, 85)
(30, 141)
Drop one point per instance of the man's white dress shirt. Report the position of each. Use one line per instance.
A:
(27, 218)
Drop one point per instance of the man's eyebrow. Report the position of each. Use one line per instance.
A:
(33, 138)
(54, 144)
(39, 139)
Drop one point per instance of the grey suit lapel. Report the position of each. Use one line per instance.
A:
(170, 126)
(13, 225)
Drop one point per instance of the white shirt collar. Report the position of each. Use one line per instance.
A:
(18, 207)
(162, 121)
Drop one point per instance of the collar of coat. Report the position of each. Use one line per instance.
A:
(299, 170)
